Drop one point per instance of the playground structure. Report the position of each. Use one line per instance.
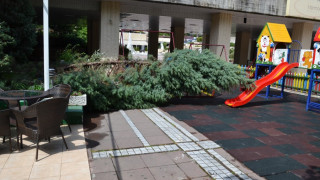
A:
(223, 49)
(315, 71)
(270, 52)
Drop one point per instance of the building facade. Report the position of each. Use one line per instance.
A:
(217, 21)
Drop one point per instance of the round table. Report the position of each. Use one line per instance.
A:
(17, 95)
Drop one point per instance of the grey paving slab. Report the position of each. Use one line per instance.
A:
(157, 140)
(202, 178)
(179, 157)
(128, 163)
(123, 134)
(192, 170)
(137, 174)
(138, 117)
(103, 144)
(157, 159)
(150, 130)
(128, 142)
(101, 165)
(167, 172)
(104, 176)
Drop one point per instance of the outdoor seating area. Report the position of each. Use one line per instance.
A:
(35, 140)
(39, 117)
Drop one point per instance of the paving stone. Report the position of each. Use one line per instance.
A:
(192, 170)
(214, 128)
(208, 144)
(283, 176)
(136, 174)
(288, 149)
(269, 166)
(179, 157)
(307, 159)
(255, 153)
(128, 163)
(156, 140)
(128, 143)
(101, 165)
(254, 133)
(288, 130)
(157, 159)
(239, 143)
(167, 172)
(316, 143)
(104, 176)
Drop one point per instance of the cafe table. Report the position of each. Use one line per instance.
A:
(17, 95)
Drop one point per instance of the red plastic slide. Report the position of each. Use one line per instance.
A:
(272, 77)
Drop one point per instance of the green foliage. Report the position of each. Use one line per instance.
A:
(19, 15)
(202, 70)
(92, 82)
(185, 71)
(5, 41)
(69, 32)
(199, 39)
(71, 55)
(24, 76)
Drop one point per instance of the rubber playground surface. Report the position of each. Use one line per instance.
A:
(276, 138)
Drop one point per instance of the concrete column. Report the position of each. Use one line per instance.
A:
(241, 54)
(206, 34)
(109, 29)
(153, 37)
(303, 33)
(177, 27)
(220, 33)
(93, 35)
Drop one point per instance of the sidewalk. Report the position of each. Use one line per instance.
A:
(54, 163)
(151, 144)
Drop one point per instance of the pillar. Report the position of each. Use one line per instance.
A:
(241, 53)
(220, 33)
(206, 34)
(109, 29)
(177, 27)
(302, 32)
(153, 39)
(93, 35)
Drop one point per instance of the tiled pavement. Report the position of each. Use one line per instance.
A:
(54, 163)
(276, 138)
(151, 144)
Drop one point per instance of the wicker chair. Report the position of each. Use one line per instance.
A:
(5, 126)
(42, 120)
(61, 91)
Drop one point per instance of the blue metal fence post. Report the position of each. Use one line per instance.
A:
(310, 90)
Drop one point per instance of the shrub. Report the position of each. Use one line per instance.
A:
(92, 82)
(184, 71)
(5, 41)
(19, 15)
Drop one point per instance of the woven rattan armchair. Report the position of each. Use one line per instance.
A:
(61, 91)
(5, 125)
(42, 120)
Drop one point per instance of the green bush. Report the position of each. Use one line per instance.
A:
(184, 71)
(19, 17)
(5, 41)
(92, 82)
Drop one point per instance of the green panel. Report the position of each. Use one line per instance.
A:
(74, 115)
(3, 105)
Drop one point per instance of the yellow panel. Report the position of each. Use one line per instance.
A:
(264, 41)
(279, 33)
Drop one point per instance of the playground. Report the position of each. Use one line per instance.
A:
(276, 138)
(275, 134)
